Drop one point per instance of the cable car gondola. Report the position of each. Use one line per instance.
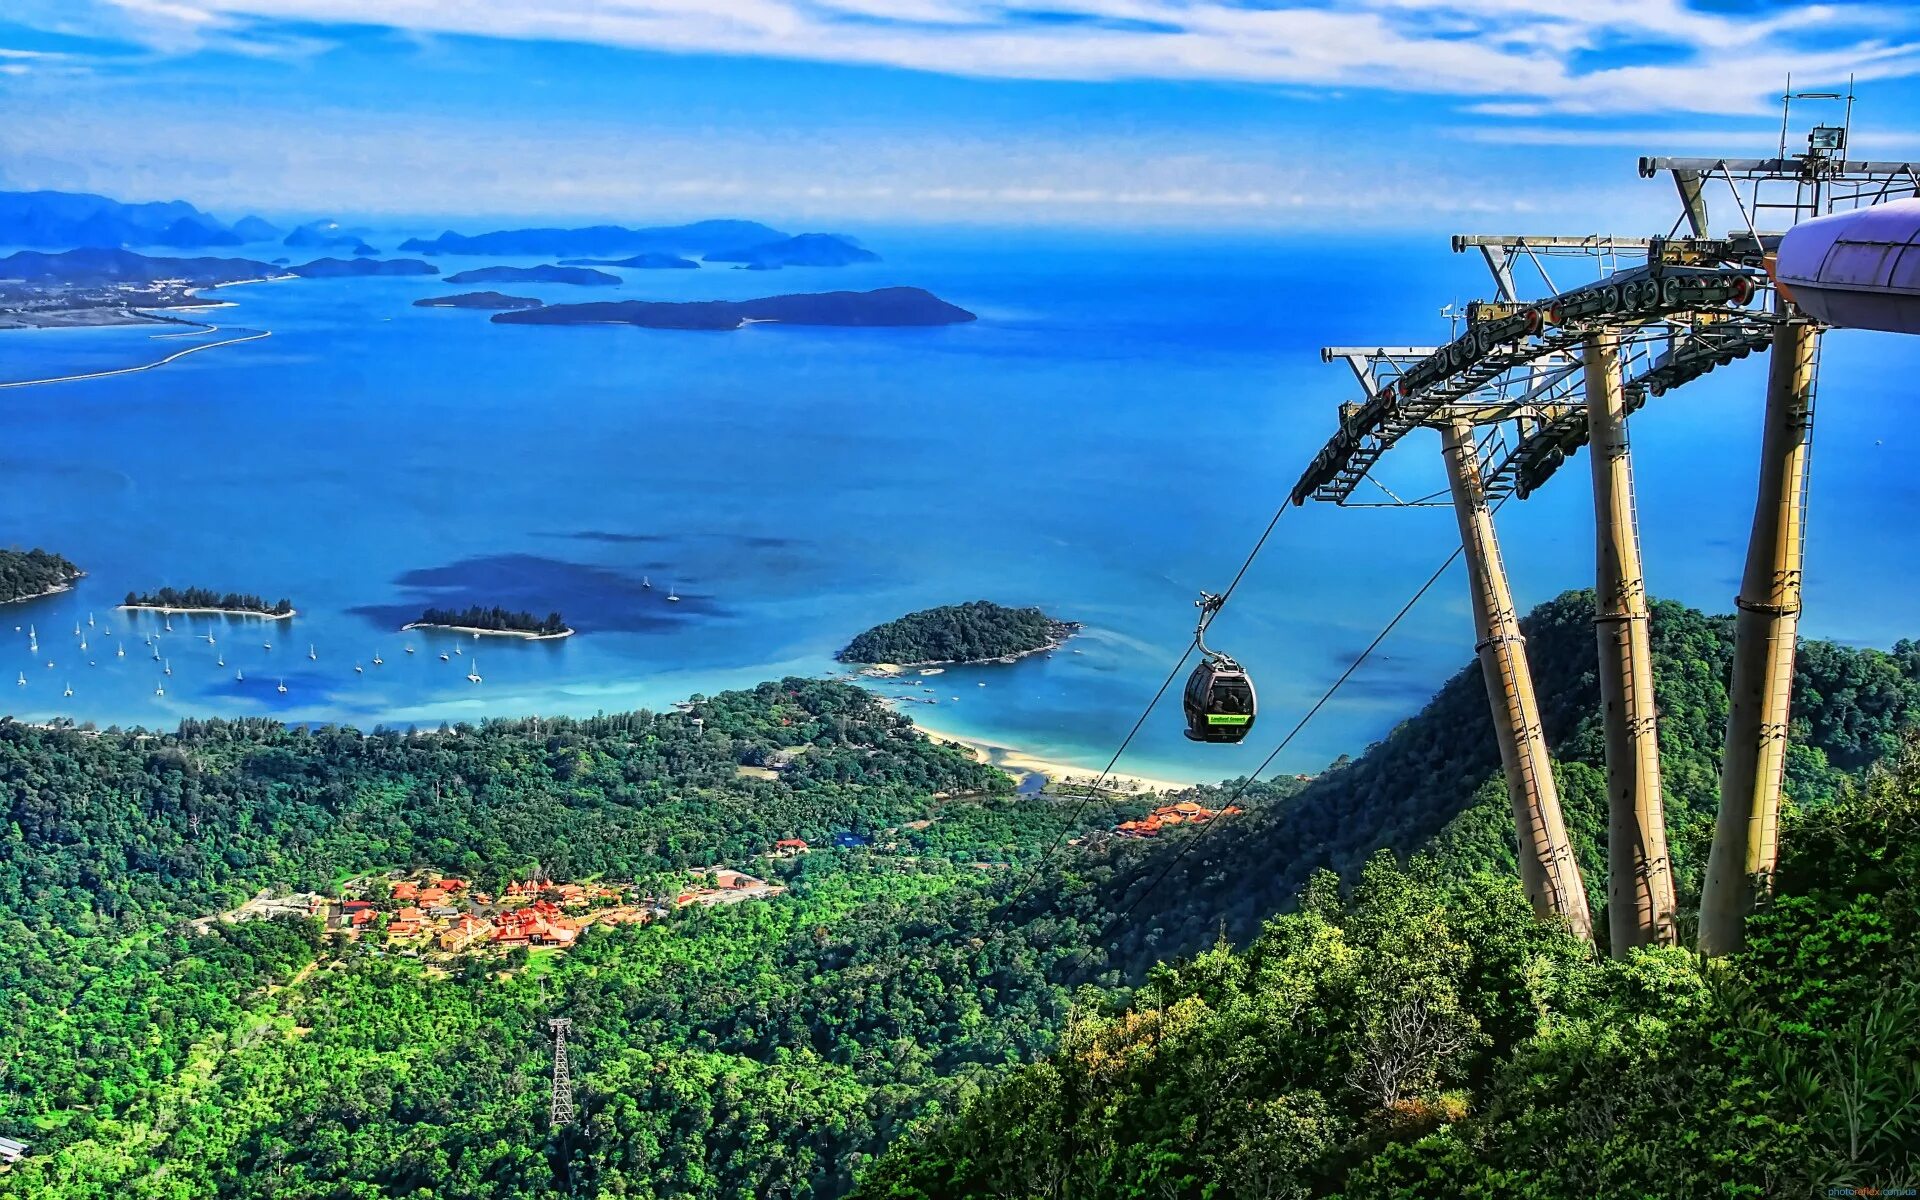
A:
(1219, 699)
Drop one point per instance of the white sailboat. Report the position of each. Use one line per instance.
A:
(377, 660)
(83, 643)
(443, 656)
(645, 582)
(166, 668)
(169, 623)
(89, 620)
(473, 674)
(209, 637)
(240, 676)
(282, 689)
(220, 661)
(69, 690)
(23, 679)
(266, 645)
(159, 689)
(673, 597)
(409, 649)
(358, 669)
(310, 651)
(120, 651)
(76, 629)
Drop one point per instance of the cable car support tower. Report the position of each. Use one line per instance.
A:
(1522, 385)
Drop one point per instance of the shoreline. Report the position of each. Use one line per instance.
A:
(218, 612)
(52, 591)
(1013, 759)
(895, 668)
(524, 634)
(174, 357)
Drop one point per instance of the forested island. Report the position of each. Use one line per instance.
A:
(490, 300)
(652, 261)
(207, 600)
(341, 268)
(606, 241)
(25, 574)
(974, 632)
(576, 276)
(1285, 1011)
(804, 250)
(93, 266)
(897, 306)
(497, 620)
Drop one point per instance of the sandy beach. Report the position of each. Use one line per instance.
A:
(1009, 758)
(211, 612)
(523, 634)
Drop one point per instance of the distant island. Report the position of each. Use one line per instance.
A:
(605, 241)
(337, 268)
(650, 261)
(254, 229)
(805, 250)
(495, 620)
(899, 306)
(206, 600)
(582, 276)
(975, 632)
(478, 300)
(96, 265)
(67, 219)
(27, 574)
(326, 235)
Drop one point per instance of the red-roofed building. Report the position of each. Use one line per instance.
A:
(450, 885)
(361, 918)
(791, 844)
(432, 896)
(406, 891)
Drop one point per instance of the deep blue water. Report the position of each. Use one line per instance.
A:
(1108, 439)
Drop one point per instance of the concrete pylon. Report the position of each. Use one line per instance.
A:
(1746, 835)
(1548, 871)
(1639, 876)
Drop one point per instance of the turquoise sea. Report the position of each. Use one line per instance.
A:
(1107, 439)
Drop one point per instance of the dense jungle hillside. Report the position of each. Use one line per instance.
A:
(939, 933)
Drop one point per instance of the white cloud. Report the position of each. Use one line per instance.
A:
(1521, 57)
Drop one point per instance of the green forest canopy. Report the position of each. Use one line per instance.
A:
(1429, 1037)
(976, 631)
(777, 1048)
(196, 597)
(25, 573)
(494, 617)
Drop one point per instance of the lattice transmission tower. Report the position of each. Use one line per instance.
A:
(560, 1114)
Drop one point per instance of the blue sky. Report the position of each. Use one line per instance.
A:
(1186, 114)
